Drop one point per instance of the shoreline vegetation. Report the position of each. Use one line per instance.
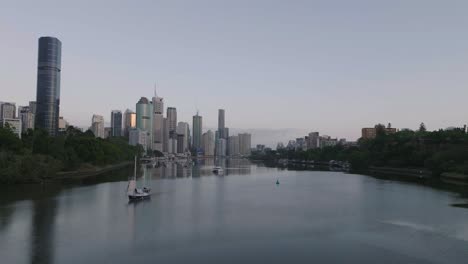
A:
(38, 158)
(440, 156)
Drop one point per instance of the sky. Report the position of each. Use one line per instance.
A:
(282, 66)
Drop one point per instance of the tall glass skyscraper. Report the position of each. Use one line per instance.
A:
(116, 123)
(48, 84)
(197, 132)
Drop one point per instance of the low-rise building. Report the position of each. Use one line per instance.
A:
(371, 132)
(13, 123)
(62, 125)
(27, 118)
(327, 141)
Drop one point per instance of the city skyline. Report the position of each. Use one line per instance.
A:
(307, 66)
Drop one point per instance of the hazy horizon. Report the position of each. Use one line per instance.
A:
(327, 66)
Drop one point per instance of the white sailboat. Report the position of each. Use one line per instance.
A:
(133, 192)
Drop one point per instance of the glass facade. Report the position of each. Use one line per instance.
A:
(116, 123)
(48, 84)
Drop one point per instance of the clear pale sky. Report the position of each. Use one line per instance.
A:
(328, 66)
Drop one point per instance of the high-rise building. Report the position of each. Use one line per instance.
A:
(33, 107)
(223, 132)
(48, 84)
(27, 118)
(233, 146)
(221, 124)
(144, 118)
(97, 126)
(158, 120)
(181, 143)
(172, 144)
(116, 123)
(183, 129)
(165, 135)
(208, 143)
(197, 132)
(136, 137)
(221, 147)
(12, 123)
(7, 110)
(172, 118)
(245, 144)
(313, 140)
(130, 121)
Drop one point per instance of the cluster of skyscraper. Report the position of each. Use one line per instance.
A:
(226, 145)
(147, 126)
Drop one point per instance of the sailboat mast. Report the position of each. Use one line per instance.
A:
(134, 173)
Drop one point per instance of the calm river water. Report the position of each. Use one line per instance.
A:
(241, 217)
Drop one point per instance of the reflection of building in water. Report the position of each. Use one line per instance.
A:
(182, 171)
(42, 231)
(238, 166)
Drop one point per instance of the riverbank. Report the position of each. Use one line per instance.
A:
(419, 175)
(88, 172)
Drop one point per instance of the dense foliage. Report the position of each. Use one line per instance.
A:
(37, 156)
(438, 151)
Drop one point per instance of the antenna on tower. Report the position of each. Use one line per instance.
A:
(155, 95)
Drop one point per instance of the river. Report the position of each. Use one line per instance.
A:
(241, 217)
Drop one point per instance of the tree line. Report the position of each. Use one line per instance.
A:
(438, 151)
(38, 156)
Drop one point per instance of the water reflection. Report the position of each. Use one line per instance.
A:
(199, 168)
(194, 215)
(42, 232)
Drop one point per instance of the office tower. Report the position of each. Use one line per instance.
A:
(172, 118)
(245, 144)
(97, 126)
(197, 132)
(48, 84)
(183, 129)
(137, 136)
(221, 121)
(144, 118)
(313, 140)
(129, 122)
(27, 118)
(208, 143)
(233, 146)
(13, 123)
(7, 110)
(165, 135)
(221, 147)
(32, 107)
(158, 119)
(181, 143)
(116, 123)
(172, 144)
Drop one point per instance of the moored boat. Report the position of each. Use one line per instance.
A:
(135, 193)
